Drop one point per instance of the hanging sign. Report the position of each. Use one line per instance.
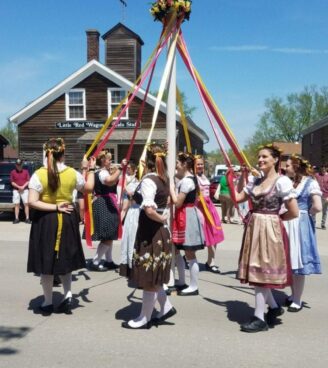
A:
(77, 124)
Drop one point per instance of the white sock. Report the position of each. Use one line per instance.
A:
(67, 282)
(194, 271)
(108, 254)
(260, 301)
(101, 250)
(47, 282)
(148, 303)
(271, 300)
(297, 289)
(181, 269)
(164, 303)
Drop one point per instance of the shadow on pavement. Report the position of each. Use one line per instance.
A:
(131, 311)
(8, 333)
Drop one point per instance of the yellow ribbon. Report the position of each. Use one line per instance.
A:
(59, 232)
(118, 108)
(183, 120)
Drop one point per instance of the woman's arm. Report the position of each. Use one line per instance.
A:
(34, 202)
(155, 216)
(292, 209)
(180, 200)
(316, 204)
(113, 179)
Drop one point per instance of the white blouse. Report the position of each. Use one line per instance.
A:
(148, 191)
(186, 185)
(35, 182)
(284, 187)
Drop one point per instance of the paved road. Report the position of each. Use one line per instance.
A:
(205, 332)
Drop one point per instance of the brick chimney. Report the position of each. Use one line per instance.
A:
(92, 44)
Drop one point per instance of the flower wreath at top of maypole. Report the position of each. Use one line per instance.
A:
(160, 9)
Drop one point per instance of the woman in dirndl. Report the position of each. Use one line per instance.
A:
(153, 249)
(212, 230)
(188, 234)
(105, 213)
(264, 260)
(55, 244)
(304, 253)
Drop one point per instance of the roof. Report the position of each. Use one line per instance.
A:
(289, 148)
(126, 30)
(3, 140)
(85, 71)
(315, 126)
(125, 135)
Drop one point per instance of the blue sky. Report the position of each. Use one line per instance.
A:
(245, 51)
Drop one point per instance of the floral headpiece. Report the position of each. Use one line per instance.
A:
(55, 145)
(161, 153)
(271, 146)
(161, 8)
(187, 155)
(301, 160)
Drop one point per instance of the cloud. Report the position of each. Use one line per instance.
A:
(263, 48)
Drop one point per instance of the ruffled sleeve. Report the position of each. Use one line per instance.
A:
(314, 188)
(103, 174)
(148, 192)
(35, 183)
(285, 189)
(186, 185)
(80, 182)
(249, 186)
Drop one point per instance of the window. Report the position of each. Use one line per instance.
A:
(75, 104)
(115, 96)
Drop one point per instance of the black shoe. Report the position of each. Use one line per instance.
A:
(214, 269)
(146, 326)
(272, 314)
(288, 302)
(169, 314)
(181, 293)
(254, 325)
(65, 306)
(294, 309)
(111, 265)
(46, 310)
(181, 287)
(28, 221)
(98, 268)
(169, 290)
(16, 221)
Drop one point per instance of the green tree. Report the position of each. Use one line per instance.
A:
(9, 131)
(284, 120)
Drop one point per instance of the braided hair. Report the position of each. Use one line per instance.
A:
(54, 150)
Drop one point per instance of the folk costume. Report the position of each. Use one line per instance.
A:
(106, 221)
(188, 231)
(213, 234)
(153, 250)
(130, 228)
(264, 257)
(305, 258)
(188, 234)
(55, 244)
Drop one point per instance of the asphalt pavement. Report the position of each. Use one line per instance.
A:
(204, 333)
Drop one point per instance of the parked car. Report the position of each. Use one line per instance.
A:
(214, 182)
(6, 190)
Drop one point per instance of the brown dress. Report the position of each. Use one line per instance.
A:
(153, 248)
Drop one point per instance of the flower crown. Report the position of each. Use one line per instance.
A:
(301, 160)
(187, 155)
(272, 146)
(161, 8)
(150, 148)
(48, 147)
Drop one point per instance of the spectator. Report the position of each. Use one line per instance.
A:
(322, 178)
(19, 179)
